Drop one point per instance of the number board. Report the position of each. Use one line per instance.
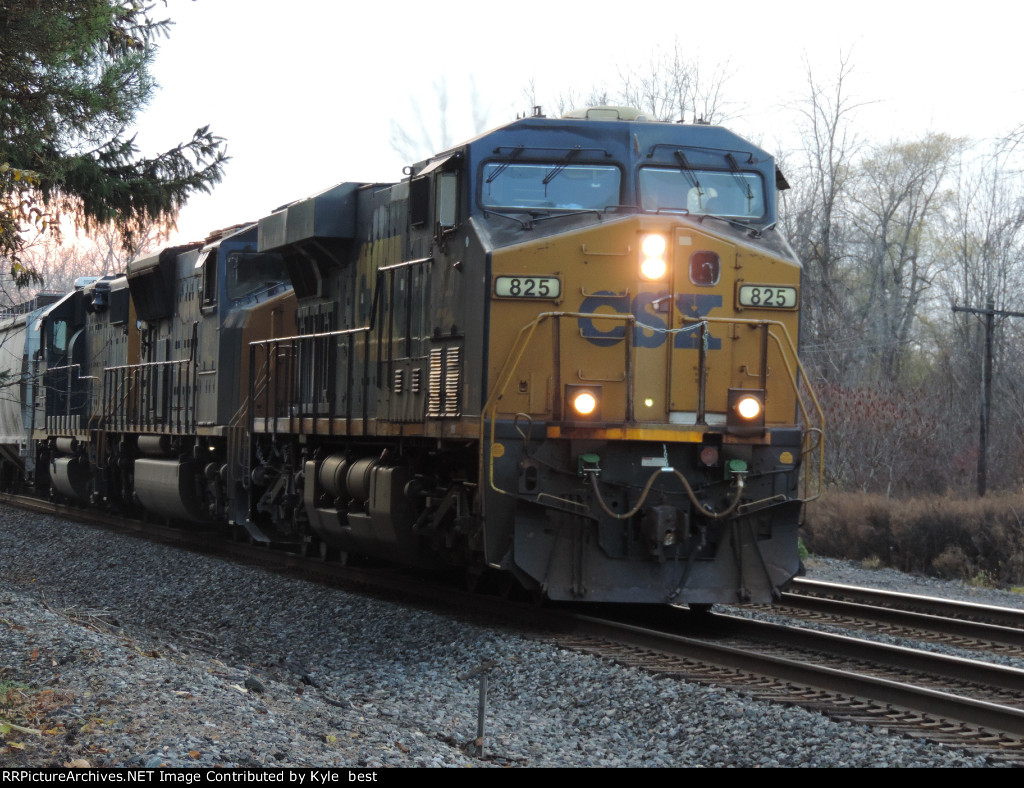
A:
(527, 287)
(767, 297)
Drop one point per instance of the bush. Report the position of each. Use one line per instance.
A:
(940, 536)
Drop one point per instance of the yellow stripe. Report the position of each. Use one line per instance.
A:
(627, 434)
(651, 434)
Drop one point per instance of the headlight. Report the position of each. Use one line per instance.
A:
(585, 403)
(653, 268)
(746, 412)
(654, 245)
(748, 408)
(653, 263)
(582, 403)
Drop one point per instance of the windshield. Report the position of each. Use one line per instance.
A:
(550, 186)
(732, 194)
(250, 274)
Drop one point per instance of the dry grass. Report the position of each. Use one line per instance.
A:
(976, 540)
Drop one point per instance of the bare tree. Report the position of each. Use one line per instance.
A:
(895, 205)
(61, 260)
(1015, 138)
(885, 440)
(668, 87)
(673, 87)
(984, 227)
(431, 129)
(814, 217)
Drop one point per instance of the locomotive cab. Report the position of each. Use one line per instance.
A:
(64, 413)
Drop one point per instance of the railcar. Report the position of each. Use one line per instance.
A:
(19, 343)
(563, 352)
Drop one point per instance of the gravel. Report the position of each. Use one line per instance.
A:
(142, 655)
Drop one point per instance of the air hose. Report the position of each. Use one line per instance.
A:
(701, 509)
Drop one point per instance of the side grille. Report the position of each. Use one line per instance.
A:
(435, 382)
(444, 383)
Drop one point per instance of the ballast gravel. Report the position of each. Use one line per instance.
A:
(134, 654)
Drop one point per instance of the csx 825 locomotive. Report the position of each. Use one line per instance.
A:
(562, 352)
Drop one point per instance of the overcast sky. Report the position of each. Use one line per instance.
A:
(305, 91)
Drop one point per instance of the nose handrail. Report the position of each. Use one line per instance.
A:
(811, 413)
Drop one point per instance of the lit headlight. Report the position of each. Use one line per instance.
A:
(653, 268)
(746, 412)
(585, 403)
(582, 403)
(653, 264)
(654, 246)
(748, 407)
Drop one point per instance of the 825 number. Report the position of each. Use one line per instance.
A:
(768, 297)
(527, 287)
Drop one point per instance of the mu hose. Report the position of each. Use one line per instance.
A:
(689, 491)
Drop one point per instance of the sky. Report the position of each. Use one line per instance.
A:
(306, 92)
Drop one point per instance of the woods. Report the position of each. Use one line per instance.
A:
(893, 236)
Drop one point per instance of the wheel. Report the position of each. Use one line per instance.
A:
(333, 554)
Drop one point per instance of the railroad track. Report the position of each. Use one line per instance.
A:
(957, 702)
(981, 628)
(963, 703)
(805, 593)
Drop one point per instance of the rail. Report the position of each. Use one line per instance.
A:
(305, 385)
(67, 393)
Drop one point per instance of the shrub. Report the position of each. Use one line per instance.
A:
(974, 540)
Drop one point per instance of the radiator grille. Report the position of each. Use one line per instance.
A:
(444, 382)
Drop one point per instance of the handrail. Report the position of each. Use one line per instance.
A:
(509, 367)
(784, 343)
(138, 411)
(319, 335)
(143, 364)
(808, 448)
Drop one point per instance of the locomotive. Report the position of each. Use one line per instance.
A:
(562, 354)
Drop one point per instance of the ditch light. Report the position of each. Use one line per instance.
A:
(745, 414)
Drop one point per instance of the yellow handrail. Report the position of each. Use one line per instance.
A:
(509, 367)
(526, 333)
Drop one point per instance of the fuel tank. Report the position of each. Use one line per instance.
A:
(170, 488)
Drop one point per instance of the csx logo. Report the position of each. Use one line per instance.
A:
(651, 329)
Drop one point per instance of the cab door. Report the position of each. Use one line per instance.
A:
(701, 351)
